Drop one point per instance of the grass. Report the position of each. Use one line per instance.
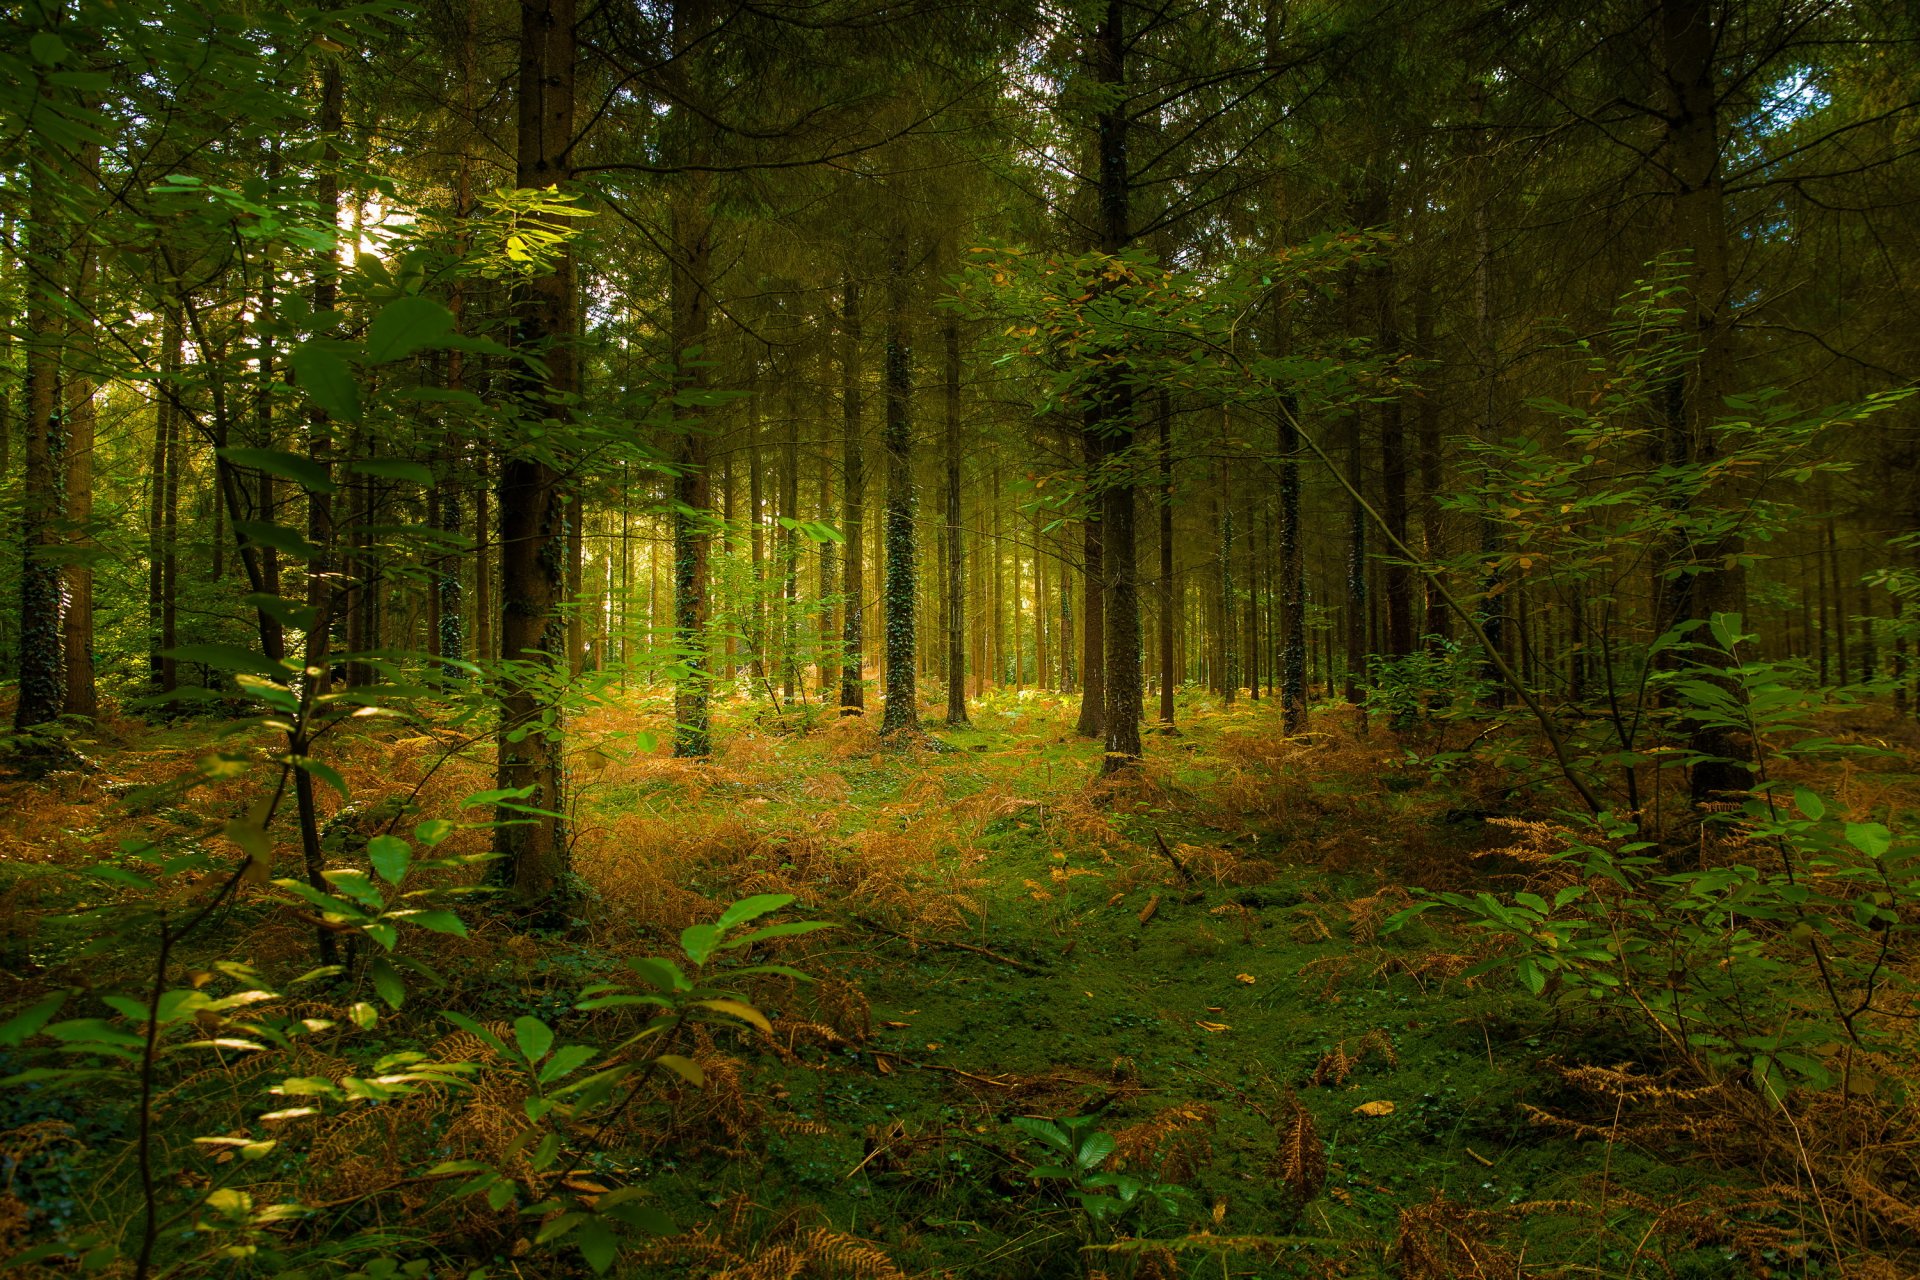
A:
(1193, 956)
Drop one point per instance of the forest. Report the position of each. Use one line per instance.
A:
(882, 639)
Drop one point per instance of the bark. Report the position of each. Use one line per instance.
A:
(1167, 680)
(853, 499)
(82, 699)
(535, 848)
(41, 687)
(902, 714)
(1113, 405)
(956, 563)
(1690, 39)
(692, 235)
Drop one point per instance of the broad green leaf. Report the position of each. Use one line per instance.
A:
(17, 1029)
(751, 908)
(323, 373)
(789, 930)
(738, 1009)
(386, 981)
(404, 326)
(303, 471)
(1870, 838)
(390, 857)
(226, 657)
(597, 1244)
(533, 1037)
(699, 941)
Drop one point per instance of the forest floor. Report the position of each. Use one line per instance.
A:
(1193, 957)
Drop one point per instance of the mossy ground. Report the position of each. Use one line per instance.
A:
(1184, 955)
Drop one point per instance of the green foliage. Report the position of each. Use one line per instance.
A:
(1078, 1151)
(1771, 970)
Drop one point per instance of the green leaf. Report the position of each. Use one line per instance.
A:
(565, 1060)
(323, 373)
(533, 1036)
(750, 909)
(662, 975)
(1870, 838)
(305, 472)
(1530, 975)
(17, 1029)
(788, 930)
(597, 1244)
(436, 920)
(1809, 803)
(226, 657)
(386, 981)
(686, 1068)
(1095, 1149)
(433, 831)
(738, 1009)
(48, 49)
(282, 538)
(390, 856)
(404, 326)
(323, 771)
(699, 941)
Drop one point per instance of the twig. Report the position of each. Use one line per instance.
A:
(877, 927)
(1172, 857)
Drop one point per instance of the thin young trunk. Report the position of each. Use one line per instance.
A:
(956, 563)
(1165, 407)
(853, 499)
(790, 554)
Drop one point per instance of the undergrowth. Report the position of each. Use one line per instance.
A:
(1153, 1028)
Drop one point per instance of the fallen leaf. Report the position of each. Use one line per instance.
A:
(1247, 978)
(1223, 1026)
(1153, 905)
(1380, 1108)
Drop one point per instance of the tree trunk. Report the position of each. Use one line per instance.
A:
(1167, 672)
(853, 498)
(41, 687)
(692, 234)
(1111, 420)
(532, 517)
(902, 714)
(956, 562)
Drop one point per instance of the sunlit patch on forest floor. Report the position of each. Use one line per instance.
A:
(1193, 957)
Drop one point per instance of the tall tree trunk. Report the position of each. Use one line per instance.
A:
(82, 699)
(1167, 671)
(790, 551)
(1690, 43)
(41, 687)
(1398, 584)
(853, 499)
(1113, 405)
(956, 562)
(1437, 617)
(532, 517)
(902, 713)
(692, 234)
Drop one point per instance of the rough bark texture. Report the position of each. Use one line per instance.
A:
(532, 515)
(902, 713)
(956, 562)
(1167, 671)
(1690, 39)
(1113, 403)
(692, 233)
(41, 688)
(853, 500)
